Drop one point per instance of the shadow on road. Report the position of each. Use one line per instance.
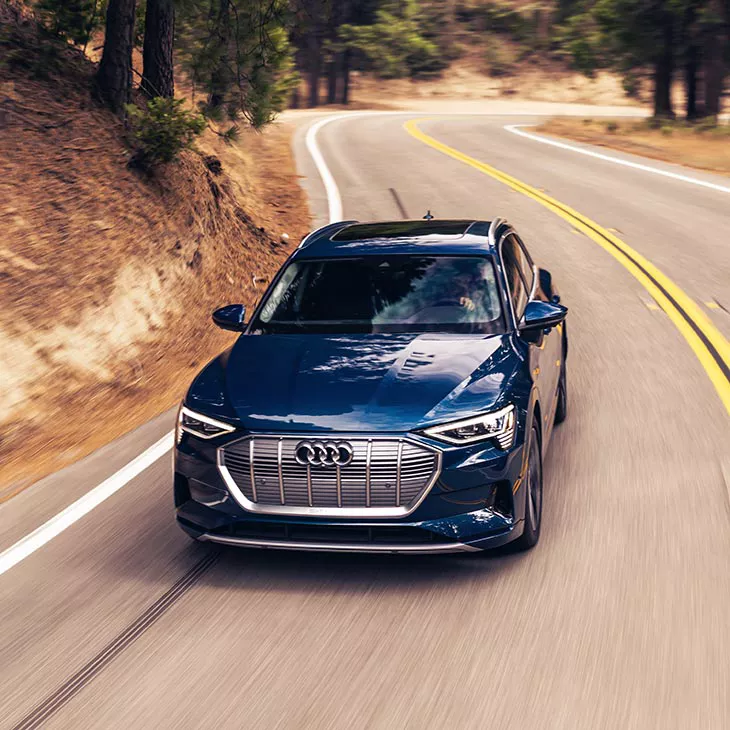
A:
(287, 571)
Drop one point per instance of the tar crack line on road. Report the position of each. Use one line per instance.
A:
(398, 202)
(54, 702)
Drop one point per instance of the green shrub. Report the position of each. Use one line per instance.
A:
(577, 40)
(707, 124)
(140, 11)
(721, 130)
(583, 56)
(162, 130)
(498, 58)
(666, 130)
(424, 59)
(40, 56)
(72, 19)
(498, 17)
(394, 45)
(631, 84)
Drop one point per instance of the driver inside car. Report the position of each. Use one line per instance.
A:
(438, 291)
(466, 288)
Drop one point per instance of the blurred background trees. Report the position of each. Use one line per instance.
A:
(248, 59)
(238, 56)
(393, 44)
(666, 36)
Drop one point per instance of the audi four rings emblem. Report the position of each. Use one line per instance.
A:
(323, 453)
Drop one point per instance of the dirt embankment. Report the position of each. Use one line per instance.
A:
(108, 278)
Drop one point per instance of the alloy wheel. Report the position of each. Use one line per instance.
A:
(534, 486)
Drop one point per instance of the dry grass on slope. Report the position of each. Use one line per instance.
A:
(698, 146)
(107, 279)
(471, 78)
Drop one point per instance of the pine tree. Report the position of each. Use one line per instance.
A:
(637, 33)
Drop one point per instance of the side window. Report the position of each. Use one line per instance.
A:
(525, 263)
(517, 289)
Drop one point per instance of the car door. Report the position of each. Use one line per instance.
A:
(545, 350)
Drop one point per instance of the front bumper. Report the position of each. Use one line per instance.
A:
(340, 547)
(475, 504)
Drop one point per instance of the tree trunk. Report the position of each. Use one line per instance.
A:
(333, 69)
(543, 22)
(294, 102)
(714, 82)
(219, 76)
(691, 41)
(114, 78)
(565, 8)
(714, 65)
(663, 73)
(159, 35)
(691, 69)
(345, 99)
(315, 70)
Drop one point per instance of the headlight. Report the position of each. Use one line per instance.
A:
(204, 427)
(499, 425)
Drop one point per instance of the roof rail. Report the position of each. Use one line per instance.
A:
(494, 227)
(329, 228)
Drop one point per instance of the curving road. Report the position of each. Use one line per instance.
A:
(618, 619)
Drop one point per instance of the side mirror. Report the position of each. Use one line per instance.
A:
(546, 284)
(231, 317)
(542, 315)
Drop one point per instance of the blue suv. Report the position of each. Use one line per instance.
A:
(394, 391)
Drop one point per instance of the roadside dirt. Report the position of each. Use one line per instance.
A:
(694, 146)
(107, 278)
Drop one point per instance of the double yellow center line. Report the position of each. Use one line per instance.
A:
(707, 342)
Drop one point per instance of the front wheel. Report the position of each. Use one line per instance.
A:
(533, 496)
(561, 409)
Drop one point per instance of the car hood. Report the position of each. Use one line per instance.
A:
(354, 382)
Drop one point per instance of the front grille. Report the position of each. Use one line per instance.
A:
(386, 477)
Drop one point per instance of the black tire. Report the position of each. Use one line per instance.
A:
(561, 409)
(533, 496)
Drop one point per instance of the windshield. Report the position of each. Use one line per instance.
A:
(385, 294)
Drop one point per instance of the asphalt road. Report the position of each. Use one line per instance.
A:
(618, 619)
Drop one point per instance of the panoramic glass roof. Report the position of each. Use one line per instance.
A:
(402, 229)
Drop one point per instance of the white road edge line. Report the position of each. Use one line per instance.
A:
(334, 200)
(82, 506)
(516, 129)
